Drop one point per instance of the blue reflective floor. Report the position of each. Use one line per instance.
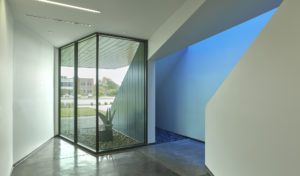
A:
(163, 136)
(59, 158)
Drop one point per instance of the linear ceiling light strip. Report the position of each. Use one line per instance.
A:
(69, 6)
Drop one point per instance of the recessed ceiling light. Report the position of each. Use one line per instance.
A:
(61, 20)
(69, 6)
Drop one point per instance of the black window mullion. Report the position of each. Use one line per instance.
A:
(146, 92)
(59, 84)
(97, 96)
(75, 91)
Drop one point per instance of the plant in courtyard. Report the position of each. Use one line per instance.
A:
(105, 133)
(107, 118)
(105, 103)
(92, 104)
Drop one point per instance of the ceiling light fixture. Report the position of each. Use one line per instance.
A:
(69, 6)
(61, 20)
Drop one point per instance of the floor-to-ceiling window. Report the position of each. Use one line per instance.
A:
(86, 96)
(121, 92)
(106, 96)
(67, 92)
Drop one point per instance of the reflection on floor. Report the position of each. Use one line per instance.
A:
(184, 157)
(162, 136)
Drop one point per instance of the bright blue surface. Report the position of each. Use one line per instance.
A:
(186, 80)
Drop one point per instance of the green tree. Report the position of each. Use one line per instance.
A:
(108, 87)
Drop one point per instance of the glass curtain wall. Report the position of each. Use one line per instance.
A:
(108, 110)
(67, 92)
(121, 93)
(86, 92)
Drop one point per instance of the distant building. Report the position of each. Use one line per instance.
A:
(67, 87)
(85, 86)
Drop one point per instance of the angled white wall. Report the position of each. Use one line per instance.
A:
(6, 87)
(253, 120)
(210, 18)
(171, 25)
(33, 68)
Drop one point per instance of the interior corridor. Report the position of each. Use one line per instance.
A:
(149, 87)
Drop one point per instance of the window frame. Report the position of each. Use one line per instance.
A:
(75, 43)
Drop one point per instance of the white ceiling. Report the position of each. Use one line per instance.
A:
(140, 19)
(134, 18)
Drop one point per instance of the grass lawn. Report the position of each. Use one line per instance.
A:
(69, 112)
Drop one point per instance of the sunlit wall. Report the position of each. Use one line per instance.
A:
(187, 79)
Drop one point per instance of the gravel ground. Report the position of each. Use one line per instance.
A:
(88, 138)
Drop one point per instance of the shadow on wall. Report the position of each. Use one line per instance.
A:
(187, 79)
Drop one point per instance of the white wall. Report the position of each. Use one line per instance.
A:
(171, 25)
(253, 121)
(6, 87)
(33, 92)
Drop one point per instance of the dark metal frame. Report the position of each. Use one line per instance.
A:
(75, 91)
(97, 93)
(75, 141)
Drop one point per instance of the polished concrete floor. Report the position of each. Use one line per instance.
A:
(59, 158)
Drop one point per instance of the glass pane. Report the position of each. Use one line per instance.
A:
(86, 106)
(67, 92)
(121, 93)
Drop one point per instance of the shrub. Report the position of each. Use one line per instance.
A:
(67, 105)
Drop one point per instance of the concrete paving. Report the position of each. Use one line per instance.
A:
(59, 158)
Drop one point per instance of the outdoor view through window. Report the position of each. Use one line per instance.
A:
(120, 92)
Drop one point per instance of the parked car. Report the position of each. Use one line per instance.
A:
(66, 96)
